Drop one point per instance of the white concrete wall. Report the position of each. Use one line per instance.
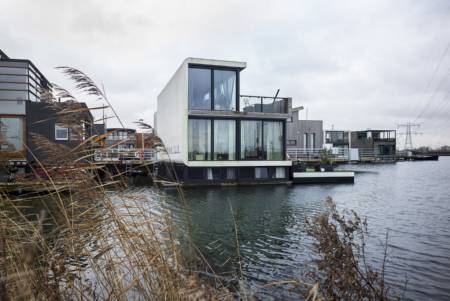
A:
(172, 115)
(253, 163)
(171, 120)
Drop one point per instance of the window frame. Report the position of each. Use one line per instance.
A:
(211, 68)
(22, 119)
(61, 127)
(238, 137)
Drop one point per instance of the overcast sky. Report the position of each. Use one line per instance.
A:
(354, 64)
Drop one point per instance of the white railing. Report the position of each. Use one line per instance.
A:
(302, 154)
(337, 154)
(119, 155)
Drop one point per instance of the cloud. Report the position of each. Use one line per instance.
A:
(354, 64)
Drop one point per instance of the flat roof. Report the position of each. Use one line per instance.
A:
(120, 129)
(7, 58)
(213, 62)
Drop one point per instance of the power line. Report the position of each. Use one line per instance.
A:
(431, 80)
(409, 133)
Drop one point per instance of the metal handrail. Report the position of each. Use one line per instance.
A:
(264, 104)
(114, 154)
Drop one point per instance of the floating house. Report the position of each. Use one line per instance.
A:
(375, 145)
(214, 134)
(28, 116)
(362, 146)
(337, 138)
(303, 134)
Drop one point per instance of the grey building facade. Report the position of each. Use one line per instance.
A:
(306, 134)
(375, 143)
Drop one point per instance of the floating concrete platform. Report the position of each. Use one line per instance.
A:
(323, 177)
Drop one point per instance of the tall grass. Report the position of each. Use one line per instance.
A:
(85, 236)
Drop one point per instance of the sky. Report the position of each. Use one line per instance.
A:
(353, 64)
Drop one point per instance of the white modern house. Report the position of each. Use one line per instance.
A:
(213, 134)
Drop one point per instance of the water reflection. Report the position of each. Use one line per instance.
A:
(411, 200)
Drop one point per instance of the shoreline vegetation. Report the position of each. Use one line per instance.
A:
(85, 236)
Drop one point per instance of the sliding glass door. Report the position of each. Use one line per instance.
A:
(251, 140)
(273, 140)
(199, 140)
(224, 139)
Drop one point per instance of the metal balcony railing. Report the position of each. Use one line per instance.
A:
(263, 104)
(119, 155)
(314, 154)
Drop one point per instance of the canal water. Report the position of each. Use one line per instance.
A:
(409, 200)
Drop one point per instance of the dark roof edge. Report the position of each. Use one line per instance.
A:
(118, 129)
(26, 61)
(2, 54)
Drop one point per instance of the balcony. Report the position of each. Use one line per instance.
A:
(263, 104)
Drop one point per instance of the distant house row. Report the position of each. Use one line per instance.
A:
(210, 130)
(32, 124)
(213, 133)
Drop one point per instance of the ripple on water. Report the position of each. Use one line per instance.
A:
(411, 200)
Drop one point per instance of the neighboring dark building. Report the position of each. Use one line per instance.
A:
(379, 144)
(48, 122)
(29, 117)
(304, 134)
(337, 138)
(20, 82)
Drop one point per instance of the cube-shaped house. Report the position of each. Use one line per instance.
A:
(213, 134)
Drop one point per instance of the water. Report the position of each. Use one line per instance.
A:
(410, 200)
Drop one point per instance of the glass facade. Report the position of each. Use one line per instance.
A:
(19, 80)
(206, 93)
(224, 140)
(199, 89)
(199, 139)
(11, 134)
(263, 104)
(273, 140)
(251, 140)
(224, 90)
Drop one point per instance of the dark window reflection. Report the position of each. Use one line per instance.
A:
(199, 89)
(224, 90)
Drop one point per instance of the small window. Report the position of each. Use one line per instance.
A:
(61, 132)
(280, 173)
(291, 142)
(261, 173)
(214, 173)
(231, 173)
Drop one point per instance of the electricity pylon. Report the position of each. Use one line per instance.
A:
(408, 133)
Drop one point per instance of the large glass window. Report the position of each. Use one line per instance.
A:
(224, 90)
(11, 134)
(199, 89)
(273, 140)
(251, 140)
(224, 140)
(199, 139)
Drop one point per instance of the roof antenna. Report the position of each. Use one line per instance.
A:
(276, 94)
